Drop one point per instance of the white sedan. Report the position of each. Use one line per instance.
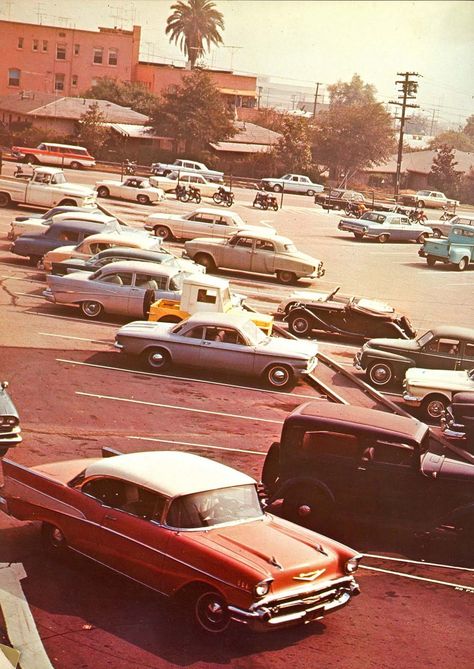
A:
(292, 183)
(136, 189)
(433, 389)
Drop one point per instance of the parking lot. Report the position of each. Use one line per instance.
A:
(75, 394)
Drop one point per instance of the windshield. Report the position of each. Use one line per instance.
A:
(253, 333)
(425, 338)
(176, 282)
(214, 507)
(58, 179)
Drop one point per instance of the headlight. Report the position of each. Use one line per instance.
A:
(262, 588)
(352, 565)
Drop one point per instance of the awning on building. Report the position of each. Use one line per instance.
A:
(238, 91)
(240, 147)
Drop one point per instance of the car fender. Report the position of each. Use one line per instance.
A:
(398, 362)
(298, 482)
(158, 344)
(457, 252)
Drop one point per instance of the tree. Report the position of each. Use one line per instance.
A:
(192, 24)
(459, 140)
(350, 138)
(126, 93)
(469, 127)
(443, 176)
(92, 131)
(195, 113)
(293, 150)
(353, 93)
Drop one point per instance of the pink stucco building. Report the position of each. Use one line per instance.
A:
(65, 61)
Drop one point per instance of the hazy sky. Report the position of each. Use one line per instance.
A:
(308, 41)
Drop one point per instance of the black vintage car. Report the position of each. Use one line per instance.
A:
(9, 421)
(443, 347)
(458, 423)
(337, 463)
(306, 311)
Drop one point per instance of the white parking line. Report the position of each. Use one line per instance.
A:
(21, 627)
(177, 408)
(185, 378)
(189, 443)
(456, 586)
(90, 341)
(35, 297)
(419, 562)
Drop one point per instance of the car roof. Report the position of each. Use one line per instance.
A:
(208, 281)
(263, 233)
(69, 146)
(453, 331)
(214, 212)
(94, 216)
(141, 266)
(48, 170)
(133, 253)
(371, 422)
(172, 473)
(79, 225)
(218, 319)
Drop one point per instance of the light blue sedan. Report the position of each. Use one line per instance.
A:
(384, 227)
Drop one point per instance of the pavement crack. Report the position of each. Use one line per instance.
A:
(13, 298)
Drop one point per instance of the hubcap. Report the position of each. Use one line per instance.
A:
(92, 308)
(380, 374)
(300, 325)
(435, 409)
(156, 359)
(278, 376)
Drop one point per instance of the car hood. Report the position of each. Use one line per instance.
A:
(404, 345)
(289, 347)
(446, 379)
(273, 547)
(75, 189)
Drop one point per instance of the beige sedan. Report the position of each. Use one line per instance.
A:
(255, 251)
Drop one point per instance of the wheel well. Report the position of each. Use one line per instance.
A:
(299, 483)
(68, 203)
(190, 590)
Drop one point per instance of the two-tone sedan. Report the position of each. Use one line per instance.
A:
(40, 224)
(135, 189)
(230, 343)
(189, 528)
(385, 227)
(292, 183)
(256, 251)
(117, 288)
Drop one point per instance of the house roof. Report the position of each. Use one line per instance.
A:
(249, 138)
(48, 105)
(135, 131)
(421, 162)
(237, 147)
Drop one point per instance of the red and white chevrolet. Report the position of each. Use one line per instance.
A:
(47, 153)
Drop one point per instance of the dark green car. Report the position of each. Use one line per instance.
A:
(443, 347)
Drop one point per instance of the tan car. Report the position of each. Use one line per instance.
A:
(96, 243)
(259, 252)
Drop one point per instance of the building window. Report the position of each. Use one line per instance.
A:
(20, 42)
(59, 82)
(74, 80)
(14, 77)
(77, 48)
(98, 55)
(45, 45)
(35, 45)
(113, 56)
(60, 52)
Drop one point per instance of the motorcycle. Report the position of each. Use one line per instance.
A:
(223, 196)
(355, 209)
(446, 216)
(129, 167)
(188, 194)
(417, 216)
(265, 201)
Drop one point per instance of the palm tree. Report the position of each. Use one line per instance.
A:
(192, 24)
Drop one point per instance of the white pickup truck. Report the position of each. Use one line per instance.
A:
(45, 187)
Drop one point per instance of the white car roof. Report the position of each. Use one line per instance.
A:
(47, 170)
(216, 212)
(172, 473)
(263, 233)
(141, 266)
(219, 319)
(207, 281)
(98, 216)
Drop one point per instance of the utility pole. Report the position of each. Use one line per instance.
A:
(408, 91)
(318, 83)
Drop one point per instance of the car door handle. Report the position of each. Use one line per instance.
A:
(206, 343)
(109, 517)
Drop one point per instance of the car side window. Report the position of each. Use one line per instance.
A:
(194, 333)
(119, 278)
(264, 245)
(388, 454)
(468, 351)
(149, 281)
(69, 236)
(245, 242)
(107, 491)
(224, 335)
(443, 345)
(323, 445)
(207, 296)
(203, 218)
(222, 221)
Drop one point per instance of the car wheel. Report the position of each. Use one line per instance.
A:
(75, 165)
(206, 261)
(102, 191)
(53, 539)
(462, 264)
(308, 506)
(310, 192)
(383, 238)
(421, 238)
(91, 309)
(359, 236)
(143, 199)
(277, 188)
(437, 233)
(163, 232)
(431, 262)
(34, 260)
(286, 277)
(299, 325)
(210, 611)
(278, 376)
(156, 358)
(420, 204)
(380, 373)
(5, 200)
(434, 406)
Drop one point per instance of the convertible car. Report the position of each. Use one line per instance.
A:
(306, 311)
(229, 343)
(136, 189)
(189, 528)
